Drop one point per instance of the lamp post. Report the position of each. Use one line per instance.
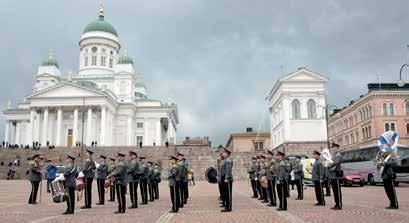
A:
(401, 82)
(326, 109)
(82, 131)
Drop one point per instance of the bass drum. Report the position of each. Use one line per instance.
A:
(211, 175)
(58, 192)
(264, 182)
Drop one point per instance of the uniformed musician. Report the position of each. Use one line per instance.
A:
(282, 181)
(102, 173)
(133, 178)
(252, 175)
(88, 172)
(184, 174)
(143, 173)
(389, 176)
(335, 176)
(34, 177)
(271, 190)
(70, 175)
(150, 181)
(111, 168)
(226, 169)
(119, 175)
(157, 180)
(317, 177)
(180, 180)
(172, 176)
(263, 173)
(299, 177)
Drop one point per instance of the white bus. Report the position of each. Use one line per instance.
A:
(362, 161)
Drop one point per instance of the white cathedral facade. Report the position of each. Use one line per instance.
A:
(106, 101)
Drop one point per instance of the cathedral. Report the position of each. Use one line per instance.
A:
(104, 103)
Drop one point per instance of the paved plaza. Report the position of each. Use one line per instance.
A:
(360, 205)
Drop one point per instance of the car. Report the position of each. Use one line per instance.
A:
(353, 179)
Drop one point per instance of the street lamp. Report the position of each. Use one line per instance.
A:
(401, 82)
(326, 109)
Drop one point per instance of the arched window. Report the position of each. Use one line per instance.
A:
(391, 109)
(296, 109)
(311, 109)
(407, 108)
(361, 115)
(370, 111)
(384, 109)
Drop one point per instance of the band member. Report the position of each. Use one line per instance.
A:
(70, 175)
(143, 172)
(174, 192)
(34, 177)
(150, 181)
(184, 184)
(263, 173)
(226, 169)
(119, 175)
(258, 185)
(156, 179)
(326, 183)
(271, 188)
(219, 180)
(389, 176)
(179, 182)
(335, 176)
(317, 178)
(288, 165)
(133, 179)
(111, 168)
(102, 172)
(88, 172)
(299, 177)
(282, 181)
(252, 175)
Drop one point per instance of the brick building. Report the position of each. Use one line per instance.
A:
(248, 141)
(385, 107)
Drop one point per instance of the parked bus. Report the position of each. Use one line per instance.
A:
(362, 161)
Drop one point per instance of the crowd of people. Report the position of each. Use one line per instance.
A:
(117, 176)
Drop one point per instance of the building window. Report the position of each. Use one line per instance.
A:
(103, 60)
(407, 108)
(296, 109)
(139, 125)
(111, 63)
(258, 145)
(387, 127)
(393, 127)
(391, 109)
(356, 136)
(94, 61)
(407, 128)
(352, 138)
(384, 109)
(103, 50)
(311, 109)
(85, 61)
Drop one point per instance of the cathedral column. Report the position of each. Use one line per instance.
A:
(146, 130)
(59, 126)
(129, 131)
(158, 133)
(103, 121)
(7, 132)
(17, 134)
(75, 127)
(30, 135)
(89, 126)
(45, 127)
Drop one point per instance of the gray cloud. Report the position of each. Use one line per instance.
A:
(216, 59)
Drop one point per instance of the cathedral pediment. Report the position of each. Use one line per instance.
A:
(303, 74)
(67, 89)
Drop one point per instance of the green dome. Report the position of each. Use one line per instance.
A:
(139, 83)
(50, 61)
(100, 25)
(125, 59)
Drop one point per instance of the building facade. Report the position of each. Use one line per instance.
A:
(249, 141)
(105, 102)
(297, 112)
(385, 107)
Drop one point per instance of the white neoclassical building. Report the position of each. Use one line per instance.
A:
(106, 101)
(297, 110)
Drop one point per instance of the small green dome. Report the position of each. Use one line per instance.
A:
(125, 59)
(100, 25)
(50, 61)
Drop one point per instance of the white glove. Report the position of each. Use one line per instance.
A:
(61, 177)
(81, 175)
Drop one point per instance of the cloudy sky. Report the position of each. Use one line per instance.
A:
(217, 59)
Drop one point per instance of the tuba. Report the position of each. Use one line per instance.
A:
(387, 144)
(326, 158)
(211, 175)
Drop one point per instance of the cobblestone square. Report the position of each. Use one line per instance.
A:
(361, 204)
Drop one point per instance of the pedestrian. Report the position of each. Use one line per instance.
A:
(317, 177)
(34, 177)
(51, 174)
(102, 172)
(174, 192)
(226, 169)
(282, 181)
(335, 176)
(299, 177)
(120, 174)
(111, 168)
(88, 172)
(271, 178)
(133, 179)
